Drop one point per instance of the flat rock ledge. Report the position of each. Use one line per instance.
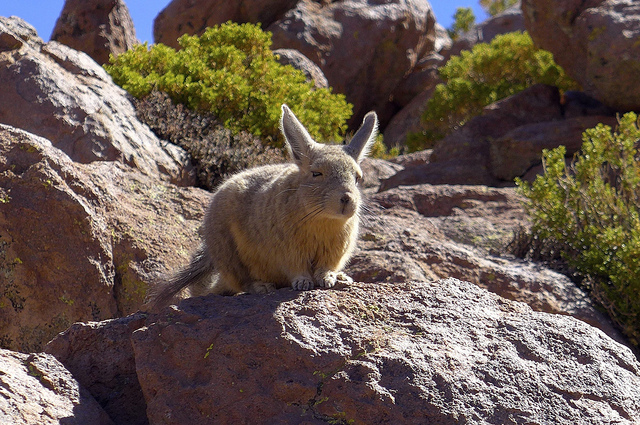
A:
(441, 352)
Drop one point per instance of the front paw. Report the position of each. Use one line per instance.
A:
(330, 279)
(302, 283)
(262, 288)
(343, 278)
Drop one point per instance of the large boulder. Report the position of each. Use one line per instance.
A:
(97, 27)
(81, 241)
(516, 152)
(409, 119)
(444, 351)
(62, 95)
(507, 21)
(595, 42)
(37, 389)
(302, 63)
(507, 139)
(105, 365)
(193, 16)
(363, 47)
(430, 232)
(415, 89)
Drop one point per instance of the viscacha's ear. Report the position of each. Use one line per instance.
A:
(299, 142)
(364, 138)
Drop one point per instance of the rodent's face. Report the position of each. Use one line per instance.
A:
(330, 185)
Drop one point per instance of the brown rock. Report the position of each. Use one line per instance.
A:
(363, 47)
(80, 241)
(374, 170)
(538, 103)
(413, 158)
(508, 21)
(376, 353)
(100, 357)
(56, 256)
(463, 156)
(194, 16)
(595, 41)
(37, 389)
(423, 78)
(62, 95)
(458, 171)
(513, 154)
(407, 120)
(580, 104)
(430, 232)
(304, 64)
(98, 28)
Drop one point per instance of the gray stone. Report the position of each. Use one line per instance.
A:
(97, 27)
(37, 389)
(304, 64)
(595, 42)
(192, 17)
(80, 241)
(62, 95)
(364, 47)
(413, 353)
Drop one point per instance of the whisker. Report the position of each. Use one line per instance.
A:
(286, 190)
(312, 213)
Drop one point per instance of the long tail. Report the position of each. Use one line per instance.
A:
(198, 272)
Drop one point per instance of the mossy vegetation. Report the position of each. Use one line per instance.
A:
(588, 214)
(481, 76)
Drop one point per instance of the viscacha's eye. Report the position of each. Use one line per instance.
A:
(358, 178)
(316, 173)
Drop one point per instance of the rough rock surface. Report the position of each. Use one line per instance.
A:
(61, 94)
(37, 389)
(96, 27)
(515, 153)
(508, 21)
(507, 139)
(440, 352)
(430, 232)
(363, 47)
(595, 41)
(414, 90)
(193, 17)
(408, 119)
(80, 241)
(301, 62)
(100, 356)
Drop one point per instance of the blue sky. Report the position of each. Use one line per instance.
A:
(42, 14)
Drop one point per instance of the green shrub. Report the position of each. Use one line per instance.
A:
(231, 72)
(463, 21)
(590, 212)
(215, 151)
(380, 151)
(486, 74)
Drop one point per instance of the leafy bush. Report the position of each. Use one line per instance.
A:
(215, 151)
(231, 72)
(379, 149)
(590, 213)
(486, 74)
(463, 21)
